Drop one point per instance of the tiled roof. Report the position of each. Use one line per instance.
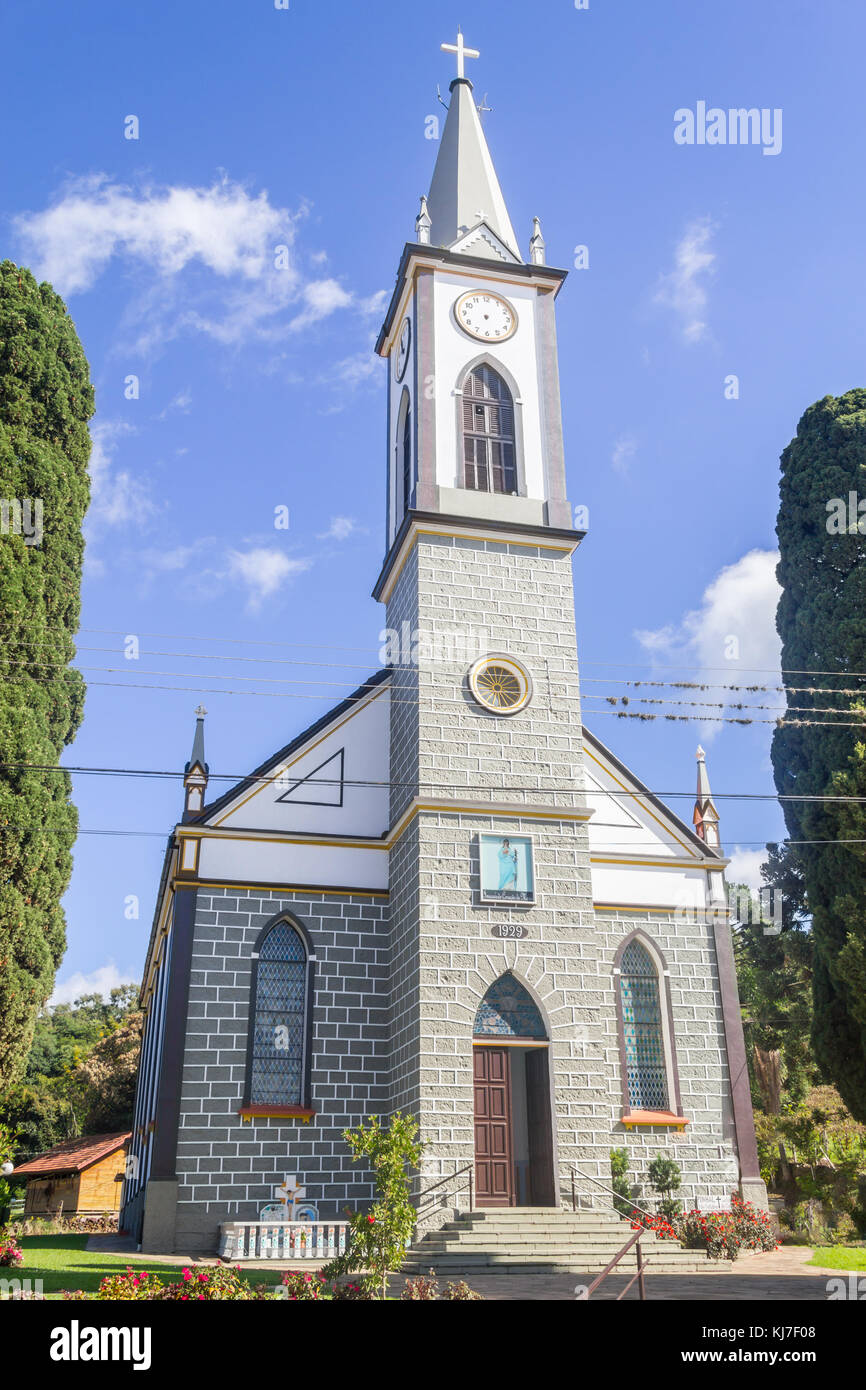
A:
(73, 1156)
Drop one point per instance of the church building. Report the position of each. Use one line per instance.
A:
(447, 897)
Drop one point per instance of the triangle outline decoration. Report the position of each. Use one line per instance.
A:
(594, 788)
(328, 790)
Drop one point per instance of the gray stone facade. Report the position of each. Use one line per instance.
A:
(227, 1169)
(444, 953)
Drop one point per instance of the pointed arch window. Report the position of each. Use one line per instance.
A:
(642, 1031)
(489, 456)
(508, 1011)
(278, 1055)
(406, 450)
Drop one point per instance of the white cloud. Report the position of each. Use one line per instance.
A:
(180, 402)
(263, 572)
(101, 981)
(730, 639)
(745, 867)
(117, 497)
(321, 298)
(93, 220)
(624, 450)
(683, 289)
(244, 240)
(340, 529)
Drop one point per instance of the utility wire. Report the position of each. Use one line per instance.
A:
(265, 778)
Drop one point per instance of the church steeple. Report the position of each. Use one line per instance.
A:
(195, 773)
(706, 817)
(465, 190)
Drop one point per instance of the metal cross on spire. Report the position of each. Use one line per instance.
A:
(462, 52)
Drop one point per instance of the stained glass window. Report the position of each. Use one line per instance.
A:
(279, 1026)
(642, 1028)
(508, 1010)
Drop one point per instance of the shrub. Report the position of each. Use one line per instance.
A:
(421, 1288)
(665, 1175)
(133, 1283)
(303, 1285)
(211, 1285)
(461, 1290)
(378, 1238)
(10, 1253)
(723, 1234)
(619, 1182)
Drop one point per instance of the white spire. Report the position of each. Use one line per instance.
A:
(422, 224)
(464, 180)
(536, 244)
(706, 817)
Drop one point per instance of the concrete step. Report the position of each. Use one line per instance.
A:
(465, 1268)
(542, 1238)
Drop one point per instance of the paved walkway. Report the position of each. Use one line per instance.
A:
(781, 1275)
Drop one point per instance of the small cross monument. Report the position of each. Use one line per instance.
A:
(462, 52)
(289, 1192)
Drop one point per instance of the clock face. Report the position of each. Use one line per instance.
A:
(401, 357)
(485, 316)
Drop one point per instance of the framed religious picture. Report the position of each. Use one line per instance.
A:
(506, 869)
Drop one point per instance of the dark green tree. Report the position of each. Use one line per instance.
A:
(46, 401)
(821, 620)
(774, 971)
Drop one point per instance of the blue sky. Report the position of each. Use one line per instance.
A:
(258, 388)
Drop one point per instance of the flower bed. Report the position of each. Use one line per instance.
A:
(723, 1234)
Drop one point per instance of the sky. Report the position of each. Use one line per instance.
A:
(155, 157)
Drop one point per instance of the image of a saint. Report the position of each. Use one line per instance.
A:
(507, 866)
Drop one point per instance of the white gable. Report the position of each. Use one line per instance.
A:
(335, 783)
(640, 853)
(627, 821)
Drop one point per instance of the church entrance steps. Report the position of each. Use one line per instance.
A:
(522, 1239)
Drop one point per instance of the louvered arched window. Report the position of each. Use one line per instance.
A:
(642, 1030)
(407, 459)
(278, 1052)
(489, 460)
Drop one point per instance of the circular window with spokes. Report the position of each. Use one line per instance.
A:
(500, 684)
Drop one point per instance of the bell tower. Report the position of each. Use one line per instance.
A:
(465, 300)
(485, 714)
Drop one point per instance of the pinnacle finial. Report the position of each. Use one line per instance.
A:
(423, 223)
(536, 244)
(700, 755)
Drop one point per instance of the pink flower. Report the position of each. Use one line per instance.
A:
(187, 1274)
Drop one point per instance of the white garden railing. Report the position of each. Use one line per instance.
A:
(282, 1240)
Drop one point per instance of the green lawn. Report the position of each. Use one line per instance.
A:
(837, 1257)
(62, 1262)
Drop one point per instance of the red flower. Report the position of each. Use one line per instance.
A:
(371, 1219)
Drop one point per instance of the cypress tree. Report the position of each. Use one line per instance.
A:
(821, 620)
(46, 400)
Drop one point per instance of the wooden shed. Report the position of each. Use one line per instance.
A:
(80, 1176)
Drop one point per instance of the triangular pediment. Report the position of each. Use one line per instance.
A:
(481, 240)
(628, 818)
(333, 779)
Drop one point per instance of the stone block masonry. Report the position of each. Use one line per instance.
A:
(227, 1169)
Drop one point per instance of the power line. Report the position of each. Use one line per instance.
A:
(387, 783)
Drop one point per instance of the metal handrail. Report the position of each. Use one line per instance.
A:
(634, 1240)
(609, 1190)
(450, 1178)
(641, 1267)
